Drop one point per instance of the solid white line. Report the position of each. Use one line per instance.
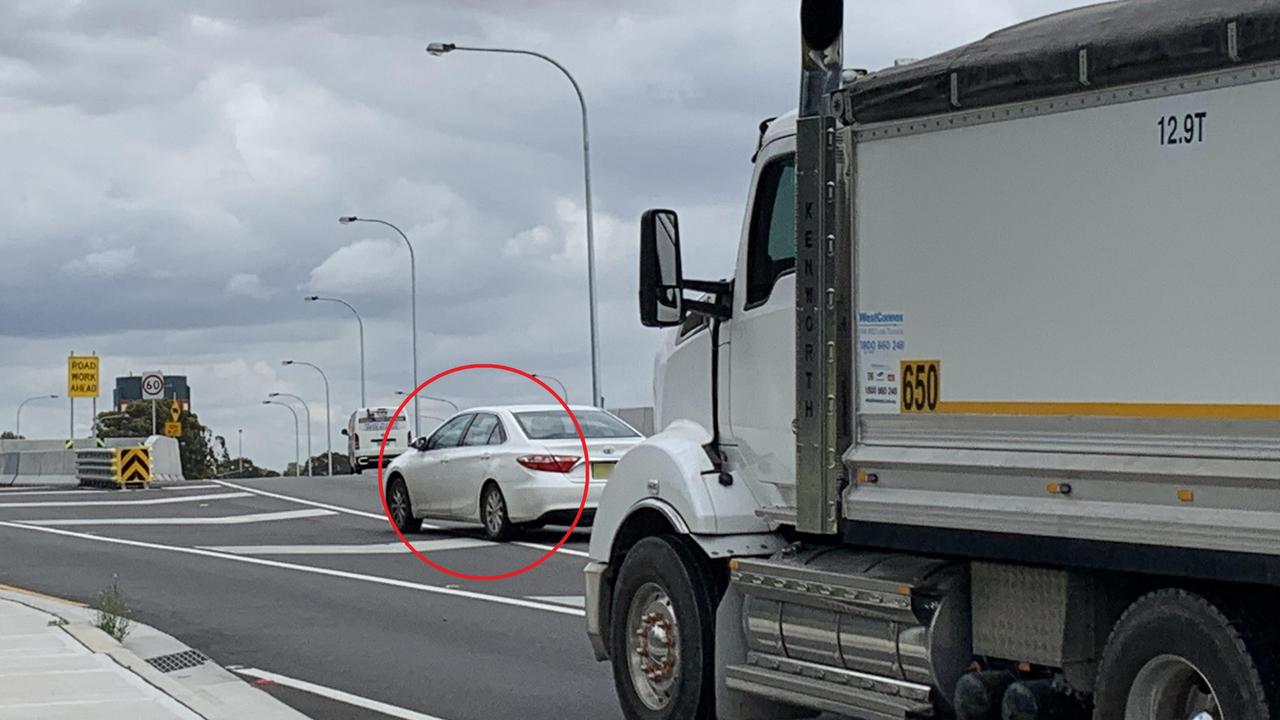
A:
(220, 520)
(104, 503)
(391, 548)
(203, 486)
(377, 516)
(376, 579)
(313, 503)
(338, 695)
(570, 600)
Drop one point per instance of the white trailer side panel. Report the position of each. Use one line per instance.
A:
(1098, 255)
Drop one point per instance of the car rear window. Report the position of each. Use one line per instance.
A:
(556, 425)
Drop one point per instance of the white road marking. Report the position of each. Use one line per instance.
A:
(204, 486)
(577, 601)
(280, 564)
(332, 694)
(220, 520)
(377, 516)
(104, 503)
(391, 548)
(300, 501)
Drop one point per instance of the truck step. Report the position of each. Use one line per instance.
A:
(829, 689)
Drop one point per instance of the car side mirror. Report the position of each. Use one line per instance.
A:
(419, 443)
(661, 279)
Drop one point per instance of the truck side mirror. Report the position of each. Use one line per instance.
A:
(344, 432)
(661, 282)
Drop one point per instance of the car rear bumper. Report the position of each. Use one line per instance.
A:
(556, 504)
(368, 461)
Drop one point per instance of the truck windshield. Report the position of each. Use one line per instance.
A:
(556, 425)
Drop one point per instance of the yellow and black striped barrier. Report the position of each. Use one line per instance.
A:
(114, 467)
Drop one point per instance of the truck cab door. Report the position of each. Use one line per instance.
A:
(761, 376)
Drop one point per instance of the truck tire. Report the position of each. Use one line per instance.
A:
(401, 508)
(1174, 654)
(663, 632)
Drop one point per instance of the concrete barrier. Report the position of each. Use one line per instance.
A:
(50, 462)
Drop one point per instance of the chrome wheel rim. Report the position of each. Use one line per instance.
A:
(399, 506)
(653, 642)
(493, 507)
(1170, 687)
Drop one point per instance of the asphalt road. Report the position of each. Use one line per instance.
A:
(302, 578)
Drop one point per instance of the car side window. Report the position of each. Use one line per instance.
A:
(498, 436)
(771, 244)
(448, 434)
(480, 430)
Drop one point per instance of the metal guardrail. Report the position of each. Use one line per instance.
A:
(114, 467)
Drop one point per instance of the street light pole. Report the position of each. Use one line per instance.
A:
(240, 448)
(305, 409)
(297, 459)
(438, 49)
(563, 390)
(17, 421)
(360, 321)
(413, 298)
(328, 413)
(430, 397)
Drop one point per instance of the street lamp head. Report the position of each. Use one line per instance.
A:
(438, 49)
(267, 402)
(347, 219)
(53, 397)
(276, 394)
(286, 362)
(311, 298)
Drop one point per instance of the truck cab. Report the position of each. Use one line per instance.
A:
(1071, 217)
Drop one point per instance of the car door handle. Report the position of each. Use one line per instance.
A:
(486, 456)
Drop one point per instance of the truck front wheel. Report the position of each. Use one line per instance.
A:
(663, 632)
(1173, 654)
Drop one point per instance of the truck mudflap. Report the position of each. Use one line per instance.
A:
(867, 634)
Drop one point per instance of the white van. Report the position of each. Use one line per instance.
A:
(364, 434)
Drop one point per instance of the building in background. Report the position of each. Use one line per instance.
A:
(129, 389)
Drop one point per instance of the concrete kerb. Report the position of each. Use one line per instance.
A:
(203, 690)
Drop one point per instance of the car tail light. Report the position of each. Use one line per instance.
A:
(549, 463)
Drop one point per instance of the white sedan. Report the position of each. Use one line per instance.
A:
(506, 467)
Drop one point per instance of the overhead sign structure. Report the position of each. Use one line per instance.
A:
(173, 429)
(152, 385)
(82, 376)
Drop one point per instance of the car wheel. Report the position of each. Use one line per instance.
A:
(400, 507)
(663, 633)
(493, 513)
(1174, 654)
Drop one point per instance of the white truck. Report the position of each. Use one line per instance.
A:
(987, 423)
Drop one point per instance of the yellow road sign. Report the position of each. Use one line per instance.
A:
(82, 376)
(173, 429)
(135, 465)
(175, 411)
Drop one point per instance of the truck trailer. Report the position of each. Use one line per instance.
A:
(984, 425)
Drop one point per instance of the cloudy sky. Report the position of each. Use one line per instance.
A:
(173, 172)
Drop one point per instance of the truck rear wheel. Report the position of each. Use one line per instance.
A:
(663, 632)
(1173, 655)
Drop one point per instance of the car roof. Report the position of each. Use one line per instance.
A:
(525, 408)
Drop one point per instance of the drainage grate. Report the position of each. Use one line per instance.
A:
(178, 661)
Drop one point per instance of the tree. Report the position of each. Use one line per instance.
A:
(194, 447)
(320, 465)
(9, 435)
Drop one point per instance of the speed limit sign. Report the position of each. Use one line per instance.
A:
(152, 385)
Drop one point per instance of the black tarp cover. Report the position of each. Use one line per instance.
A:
(1127, 41)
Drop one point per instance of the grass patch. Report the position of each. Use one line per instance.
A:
(113, 611)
